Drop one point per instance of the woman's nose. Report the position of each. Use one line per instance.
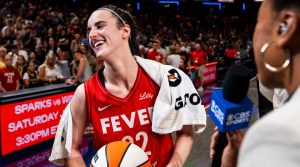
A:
(92, 34)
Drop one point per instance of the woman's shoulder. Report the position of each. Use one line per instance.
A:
(281, 122)
(42, 66)
(83, 58)
(281, 117)
(80, 90)
(271, 137)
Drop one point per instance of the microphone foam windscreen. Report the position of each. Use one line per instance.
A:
(236, 83)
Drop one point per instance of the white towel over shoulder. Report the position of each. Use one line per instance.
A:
(178, 102)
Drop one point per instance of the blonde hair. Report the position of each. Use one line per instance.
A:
(50, 54)
(3, 49)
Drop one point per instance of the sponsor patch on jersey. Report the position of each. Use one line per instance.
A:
(174, 78)
(145, 95)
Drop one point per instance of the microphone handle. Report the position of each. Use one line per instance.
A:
(221, 143)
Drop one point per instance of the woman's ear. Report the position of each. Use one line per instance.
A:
(287, 28)
(126, 31)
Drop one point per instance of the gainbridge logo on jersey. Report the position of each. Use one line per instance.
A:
(145, 95)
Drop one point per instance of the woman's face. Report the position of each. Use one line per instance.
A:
(20, 60)
(178, 47)
(31, 67)
(32, 56)
(104, 35)
(265, 31)
(77, 56)
(76, 36)
(2, 53)
(8, 60)
(51, 61)
(51, 42)
(50, 31)
(83, 49)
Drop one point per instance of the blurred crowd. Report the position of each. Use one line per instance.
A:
(43, 43)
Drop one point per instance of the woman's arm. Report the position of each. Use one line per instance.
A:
(26, 80)
(79, 118)
(80, 69)
(73, 43)
(1, 87)
(17, 85)
(183, 146)
(42, 74)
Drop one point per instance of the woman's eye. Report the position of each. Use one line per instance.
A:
(88, 31)
(99, 27)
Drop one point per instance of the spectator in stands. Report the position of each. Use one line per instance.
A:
(230, 55)
(30, 77)
(153, 53)
(184, 57)
(21, 66)
(91, 59)
(9, 26)
(15, 54)
(174, 59)
(161, 50)
(32, 57)
(49, 71)
(22, 51)
(18, 28)
(40, 54)
(51, 46)
(28, 38)
(3, 53)
(81, 68)
(63, 61)
(76, 41)
(63, 37)
(9, 76)
(8, 39)
(198, 58)
(142, 50)
(50, 34)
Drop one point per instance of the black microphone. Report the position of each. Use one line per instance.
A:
(235, 88)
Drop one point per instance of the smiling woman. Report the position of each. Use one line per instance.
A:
(126, 21)
(122, 100)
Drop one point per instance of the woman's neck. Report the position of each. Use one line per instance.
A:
(30, 72)
(293, 81)
(50, 66)
(121, 71)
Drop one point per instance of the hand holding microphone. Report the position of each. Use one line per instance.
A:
(230, 110)
(231, 150)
